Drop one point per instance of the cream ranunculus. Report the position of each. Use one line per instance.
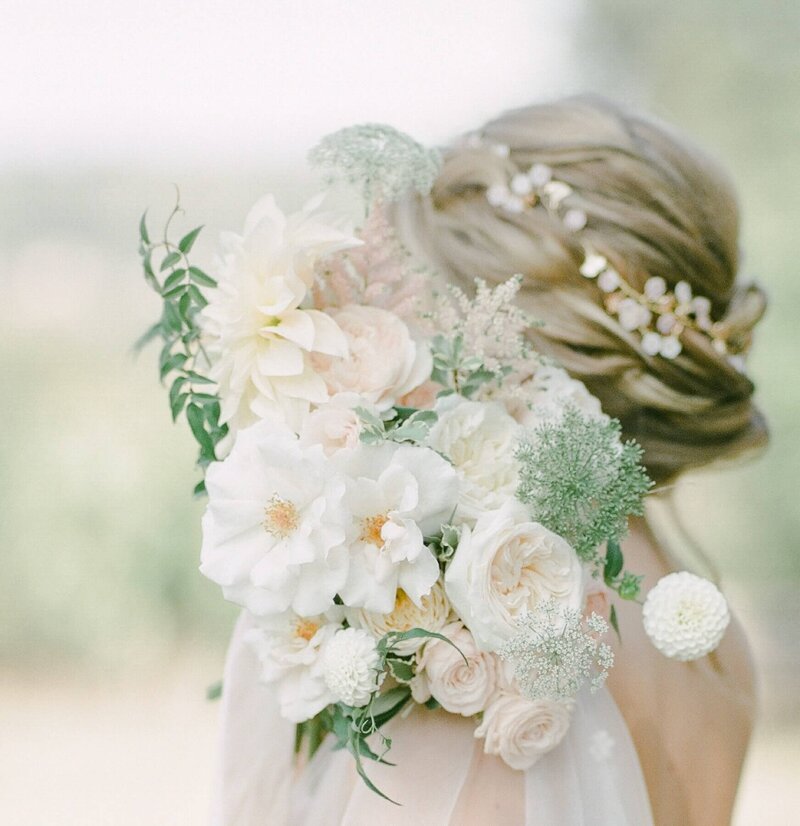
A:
(258, 332)
(384, 361)
(335, 425)
(459, 687)
(479, 438)
(505, 567)
(549, 392)
(432, 615)
(519, 730)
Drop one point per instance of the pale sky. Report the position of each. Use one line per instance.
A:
(217, 81)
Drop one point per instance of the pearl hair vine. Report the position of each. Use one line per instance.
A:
(659, 315)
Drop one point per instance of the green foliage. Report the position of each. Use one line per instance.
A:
(352, 727)
(168, 271)
(214, 691)
(459, 372)
(582, 482)
(382, 162)
(398, 424)
(444, 544)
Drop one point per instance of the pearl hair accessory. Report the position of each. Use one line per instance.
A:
(658, 314)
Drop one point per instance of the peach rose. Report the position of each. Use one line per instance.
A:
(519, 730)
(459, 687)
(334, 425)
(384, 361)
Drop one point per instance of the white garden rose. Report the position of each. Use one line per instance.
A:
(274, 527)
(550, 391)
(519, 730)
(258, 331)
(350, 667)
(431, 614)
(289, 649)
(479, 438)
(396, 495)
(459, 687)
(384, 361)
(505, 567)
(335, 425)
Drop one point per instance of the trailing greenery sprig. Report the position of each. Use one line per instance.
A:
(398, 424)
(459, 372)
(352, 727)
(582, 482)
(168, 270)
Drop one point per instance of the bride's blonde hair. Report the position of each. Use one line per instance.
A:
(656, 206)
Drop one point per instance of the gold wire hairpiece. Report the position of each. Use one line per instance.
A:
(658, 314)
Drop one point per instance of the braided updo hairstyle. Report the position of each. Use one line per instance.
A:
(656, 206)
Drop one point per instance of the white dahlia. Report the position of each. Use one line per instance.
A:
(350, 667)
(260, 335)
(685, 616)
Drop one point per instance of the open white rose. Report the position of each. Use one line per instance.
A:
(396, 495)
(431, 614)
(505, 567)
(459, 687)
(274, 528)
(289, 647)
(520, 731)
(384, 361)
(479, 438)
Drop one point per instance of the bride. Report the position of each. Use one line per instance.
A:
(666, 745)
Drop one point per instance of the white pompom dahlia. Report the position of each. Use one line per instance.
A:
(685, 616)
(350, 667)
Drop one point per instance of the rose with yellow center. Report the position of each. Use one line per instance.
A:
(432, 615)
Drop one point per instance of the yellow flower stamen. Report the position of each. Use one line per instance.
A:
(371, 528)
(281, 517)
(305, 629)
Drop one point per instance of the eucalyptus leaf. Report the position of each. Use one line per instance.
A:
(170, 260)
(187, 242)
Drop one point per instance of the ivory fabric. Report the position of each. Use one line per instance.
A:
(441, 776)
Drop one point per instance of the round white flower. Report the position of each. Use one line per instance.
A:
(685, 616)
(505, 567)
(384, 361)
(335, 425)
(258, 334)
(431, 614)
(459, 687)
(396, 495)
(479, 439)
(289, 649)
(549, 392)
(350, 667)
(274, 528)
(520, 731)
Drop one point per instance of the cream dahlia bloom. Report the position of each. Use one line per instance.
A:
(505, 567)
(274, 528)
(685, 616)
(431, 614)
(384, 361)
(260, 334)
(289, 650)
(479, 438)
(396, 495)
(350, 667)
(519, 730)
(459, 687)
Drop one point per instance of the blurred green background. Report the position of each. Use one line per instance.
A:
(108, 634)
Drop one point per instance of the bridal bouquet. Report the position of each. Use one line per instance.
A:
(414, 507)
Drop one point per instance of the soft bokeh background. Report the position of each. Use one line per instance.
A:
(108, 635)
